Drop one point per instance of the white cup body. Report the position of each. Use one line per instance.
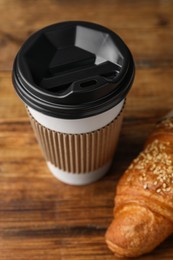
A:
(77, 126)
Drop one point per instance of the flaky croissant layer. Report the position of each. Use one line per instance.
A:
(143, 213)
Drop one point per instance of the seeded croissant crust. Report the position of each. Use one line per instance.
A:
(143, 213)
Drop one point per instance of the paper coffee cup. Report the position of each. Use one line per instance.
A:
(73, 78)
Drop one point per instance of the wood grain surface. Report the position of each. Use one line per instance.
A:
(41, 218)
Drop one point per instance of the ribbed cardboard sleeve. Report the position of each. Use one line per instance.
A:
(78, 153)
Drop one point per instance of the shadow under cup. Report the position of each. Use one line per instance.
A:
(73, 78)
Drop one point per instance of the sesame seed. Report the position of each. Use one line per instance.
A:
(145, 186)
(140, 178)
(128, 179)
(131, 166)
(139, 167)
(158, 190)
(149, 157)
(164, 185)
(168, 162)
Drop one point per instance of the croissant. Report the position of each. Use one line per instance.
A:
(143, 212)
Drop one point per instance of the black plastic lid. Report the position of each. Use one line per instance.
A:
(73, 70)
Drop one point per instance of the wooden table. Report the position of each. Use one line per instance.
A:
(41, 218)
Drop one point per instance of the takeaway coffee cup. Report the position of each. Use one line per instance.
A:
(73, 78)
